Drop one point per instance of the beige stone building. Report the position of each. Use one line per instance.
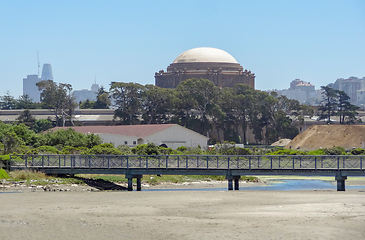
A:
(213, 64)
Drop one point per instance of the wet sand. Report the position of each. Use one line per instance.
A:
(324, 214)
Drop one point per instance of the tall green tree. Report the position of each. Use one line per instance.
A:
(329, 104)
(157, 104)
(26, 118)
(336, 103)
(128, 98)
(102, 99)
(87, 104)
(25, 102)
(197, 98)
(42, 125)
(59, 98)
(7, 102)
(346, 111)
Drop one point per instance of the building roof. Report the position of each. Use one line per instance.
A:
(139, 131)
(205, 54)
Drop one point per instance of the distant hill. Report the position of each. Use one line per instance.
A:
(328, 136)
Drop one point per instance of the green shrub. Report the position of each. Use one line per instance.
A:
(317, 152)
(33, 151)
(287, 152)
(48, 149)
(3, 174)
(165, 151)
(335, 151)
(238, 151)
(181, 149)
(358, 151)
(102, 149)
(69, 150)
(124, 149)
(146, 149)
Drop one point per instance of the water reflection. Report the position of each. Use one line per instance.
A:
(275, 185)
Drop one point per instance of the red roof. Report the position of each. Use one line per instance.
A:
(126, 130)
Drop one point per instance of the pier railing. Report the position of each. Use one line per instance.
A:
(210, 162)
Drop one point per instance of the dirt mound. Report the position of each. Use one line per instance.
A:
(281, 143)
(327, 136)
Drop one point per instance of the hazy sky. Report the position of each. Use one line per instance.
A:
(316, 41)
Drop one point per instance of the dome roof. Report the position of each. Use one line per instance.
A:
(205, 54)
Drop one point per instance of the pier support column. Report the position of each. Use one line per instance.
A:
(139, 183)
(237, 182)
(130, 183)
(340, 181)
(230, 182)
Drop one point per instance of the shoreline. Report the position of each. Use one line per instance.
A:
(90, 185)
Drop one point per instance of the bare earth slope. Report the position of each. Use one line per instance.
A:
(327, 136)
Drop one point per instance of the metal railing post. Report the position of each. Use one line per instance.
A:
(271, 163)
(249, 162)
(127, 162)
(197, 162)
(187, 162)
(300, 163)
(147, 162)
(207, 162)
(338, 163)
(167, 157)
(59, 161)
(315, 163)
(26, 161)
(361, 163)
(42, 161)
(293, 163)
(228, 162)
(108, 162)
(89, 162)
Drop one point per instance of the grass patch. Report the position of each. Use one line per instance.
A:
(26, 175)
(39, 178)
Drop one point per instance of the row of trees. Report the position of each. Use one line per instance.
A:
(222, 114)
(201, 106)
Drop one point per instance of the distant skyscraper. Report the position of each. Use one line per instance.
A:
(84, 94)
(30, 88)
(47, 72)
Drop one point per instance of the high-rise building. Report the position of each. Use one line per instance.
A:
(86, 94)
(30, 88)
(47, 72)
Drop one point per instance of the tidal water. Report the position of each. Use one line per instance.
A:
(277, 185)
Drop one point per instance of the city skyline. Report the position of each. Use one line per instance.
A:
(315, 41)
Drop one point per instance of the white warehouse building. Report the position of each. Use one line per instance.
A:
(172, 135)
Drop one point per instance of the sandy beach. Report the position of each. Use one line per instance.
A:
(325, 214)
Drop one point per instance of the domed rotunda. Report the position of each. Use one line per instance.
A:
(213, 64)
